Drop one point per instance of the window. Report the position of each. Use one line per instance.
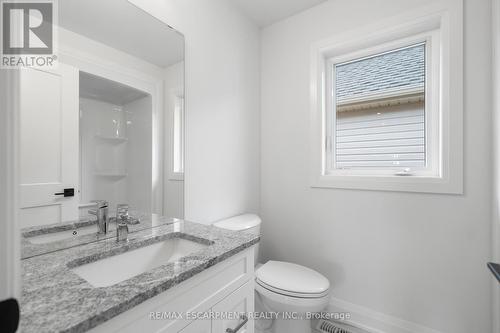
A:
(387, 106)
(179, 135)
(177, 166)
(378, 113)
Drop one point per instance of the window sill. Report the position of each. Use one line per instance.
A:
(422, 184)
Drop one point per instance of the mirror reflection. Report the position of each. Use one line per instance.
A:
(102, 135)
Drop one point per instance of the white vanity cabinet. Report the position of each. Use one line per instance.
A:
(240, 301)
(220, 290)
(198, 326)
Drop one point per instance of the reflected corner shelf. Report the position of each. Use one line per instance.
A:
(111, 175)
(111, 139)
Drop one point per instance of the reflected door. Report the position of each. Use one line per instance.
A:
(48, 145)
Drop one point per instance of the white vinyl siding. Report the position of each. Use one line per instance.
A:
(381, 137)
(378, 111)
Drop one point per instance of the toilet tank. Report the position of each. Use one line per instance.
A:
(249, 223)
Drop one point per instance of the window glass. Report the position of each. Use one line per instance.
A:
(380, 111)
(178, 131)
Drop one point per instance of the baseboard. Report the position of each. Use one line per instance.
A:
(373, 321)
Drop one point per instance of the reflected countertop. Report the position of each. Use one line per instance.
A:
(30, 249)
(56, 299)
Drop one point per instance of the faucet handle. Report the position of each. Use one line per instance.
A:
(122, 213)
(100, 203)
(122, 208)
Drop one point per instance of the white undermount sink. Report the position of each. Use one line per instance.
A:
(62, 235)
(112, 270)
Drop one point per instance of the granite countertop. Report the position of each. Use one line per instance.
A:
(54, 299)
(30, 249)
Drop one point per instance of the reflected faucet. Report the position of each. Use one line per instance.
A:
(101, 212)
(122, 218)
(122, 213)
(121, 231)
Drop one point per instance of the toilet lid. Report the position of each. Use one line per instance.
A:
(292, 279)
(240, 222)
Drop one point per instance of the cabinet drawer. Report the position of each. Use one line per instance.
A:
(198, 326)
(234, 311)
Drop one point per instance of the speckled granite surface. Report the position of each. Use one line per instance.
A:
(55, 299)
(30, 249)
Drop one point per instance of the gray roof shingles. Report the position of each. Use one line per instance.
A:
(403, 69)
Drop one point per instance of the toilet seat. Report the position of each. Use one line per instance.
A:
(311, 304)
(290, 293)
(292, 280)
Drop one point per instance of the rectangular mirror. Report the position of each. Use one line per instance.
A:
(107, 125)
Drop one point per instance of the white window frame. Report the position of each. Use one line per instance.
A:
(432, 121)
(441, 30)
(177, 129)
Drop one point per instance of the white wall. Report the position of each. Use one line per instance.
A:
(416, 257)
(495, 234)
(4, 250)
(9, 236)
(139, 154)
(222, 106)
(173, 190)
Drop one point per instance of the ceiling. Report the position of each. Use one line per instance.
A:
(266, 12)
(121, 25)
(96, 87)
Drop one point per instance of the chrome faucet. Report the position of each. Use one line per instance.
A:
(122, 213)
(121, 231)
(101, 212)
(122, 219)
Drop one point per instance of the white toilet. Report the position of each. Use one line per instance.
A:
(289, 290)
(292, 291)
(247, 223)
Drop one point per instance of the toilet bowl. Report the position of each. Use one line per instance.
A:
(293, 293)
(288, 291)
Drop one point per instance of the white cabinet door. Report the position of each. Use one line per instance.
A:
(49, 145)
(198, 326)
(240, 302)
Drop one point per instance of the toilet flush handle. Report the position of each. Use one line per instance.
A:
(240, 325)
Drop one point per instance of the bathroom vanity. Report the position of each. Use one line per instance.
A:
(178, 277)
